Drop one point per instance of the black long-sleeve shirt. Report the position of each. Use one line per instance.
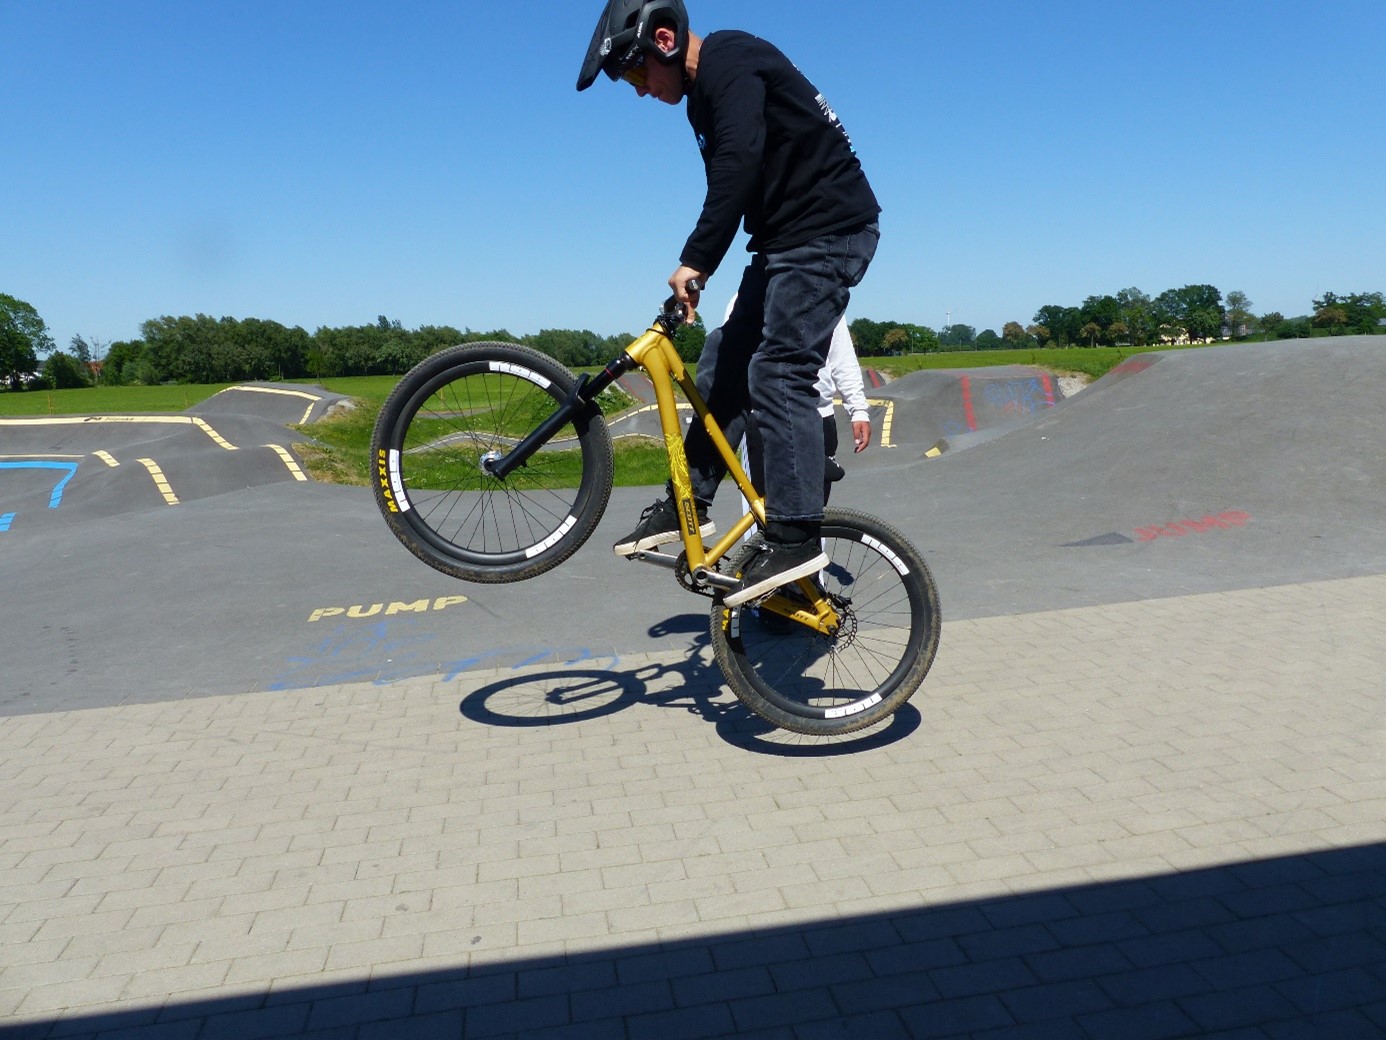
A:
(776, 155)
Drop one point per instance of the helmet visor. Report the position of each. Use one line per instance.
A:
(603, 53)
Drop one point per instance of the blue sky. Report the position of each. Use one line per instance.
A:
(323, 163)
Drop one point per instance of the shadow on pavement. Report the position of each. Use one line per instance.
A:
(562, 696)
(1293, 946)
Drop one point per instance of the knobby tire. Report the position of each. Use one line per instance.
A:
(801, 680)
(444, 418)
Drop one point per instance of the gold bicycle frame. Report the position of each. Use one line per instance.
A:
(655, 354)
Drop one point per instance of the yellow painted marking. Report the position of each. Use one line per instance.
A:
(682, 406)
(160, 481)
(311, 398)
(933, 452)
(275, 390)
(362, 610)
(164, 420)
(886, 422)
(107, 458)
(283, 453)
(77, 420)
(216, 437)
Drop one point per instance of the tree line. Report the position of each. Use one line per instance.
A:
(202, 349)
(1190, 314)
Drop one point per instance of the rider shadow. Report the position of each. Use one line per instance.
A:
(692, 684)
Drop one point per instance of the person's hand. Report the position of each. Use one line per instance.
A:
(861, 435)
(678, 281)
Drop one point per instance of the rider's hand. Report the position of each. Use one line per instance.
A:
(861, 435)
(678, 281)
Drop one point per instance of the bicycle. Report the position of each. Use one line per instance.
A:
(494, 463)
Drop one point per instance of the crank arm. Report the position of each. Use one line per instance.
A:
(704, 576)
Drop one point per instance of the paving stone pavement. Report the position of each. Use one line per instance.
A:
(1153, 819)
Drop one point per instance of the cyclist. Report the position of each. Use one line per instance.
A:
(777, 159)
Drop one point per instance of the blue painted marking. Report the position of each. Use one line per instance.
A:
(55, 499)
(5, 520)
(386, 652)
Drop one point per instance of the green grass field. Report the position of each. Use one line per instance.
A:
(107, 400)
(371, 391)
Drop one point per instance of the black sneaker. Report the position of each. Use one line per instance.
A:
(777, 564)
(658, 525)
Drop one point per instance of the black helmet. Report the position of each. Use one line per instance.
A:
(625, 29)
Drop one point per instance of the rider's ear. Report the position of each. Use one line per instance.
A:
(665, 38)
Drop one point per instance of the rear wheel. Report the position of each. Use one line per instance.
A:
(445, 419)
(802, 680)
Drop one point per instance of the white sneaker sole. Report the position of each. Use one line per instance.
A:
(775, 581)
(654, 541)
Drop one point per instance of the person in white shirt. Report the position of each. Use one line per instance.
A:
(841, 374)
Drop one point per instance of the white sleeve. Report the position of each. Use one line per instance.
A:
(842, 374)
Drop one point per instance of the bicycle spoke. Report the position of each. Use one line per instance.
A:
(447, 421)
(814, 682)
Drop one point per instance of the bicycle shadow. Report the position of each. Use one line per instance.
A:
(693, 684)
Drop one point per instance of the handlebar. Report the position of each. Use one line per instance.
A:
(674, 313)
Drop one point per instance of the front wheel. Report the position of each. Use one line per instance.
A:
(446, 419)
(801, 680)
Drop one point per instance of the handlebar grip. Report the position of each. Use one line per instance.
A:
(672, 307)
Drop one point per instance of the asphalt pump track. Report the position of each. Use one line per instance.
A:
(149, 558)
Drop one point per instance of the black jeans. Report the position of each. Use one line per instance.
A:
(764, 366)
(832, 469)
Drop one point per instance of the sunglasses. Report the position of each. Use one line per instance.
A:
(633, 71)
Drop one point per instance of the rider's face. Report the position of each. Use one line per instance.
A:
(662, 82)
